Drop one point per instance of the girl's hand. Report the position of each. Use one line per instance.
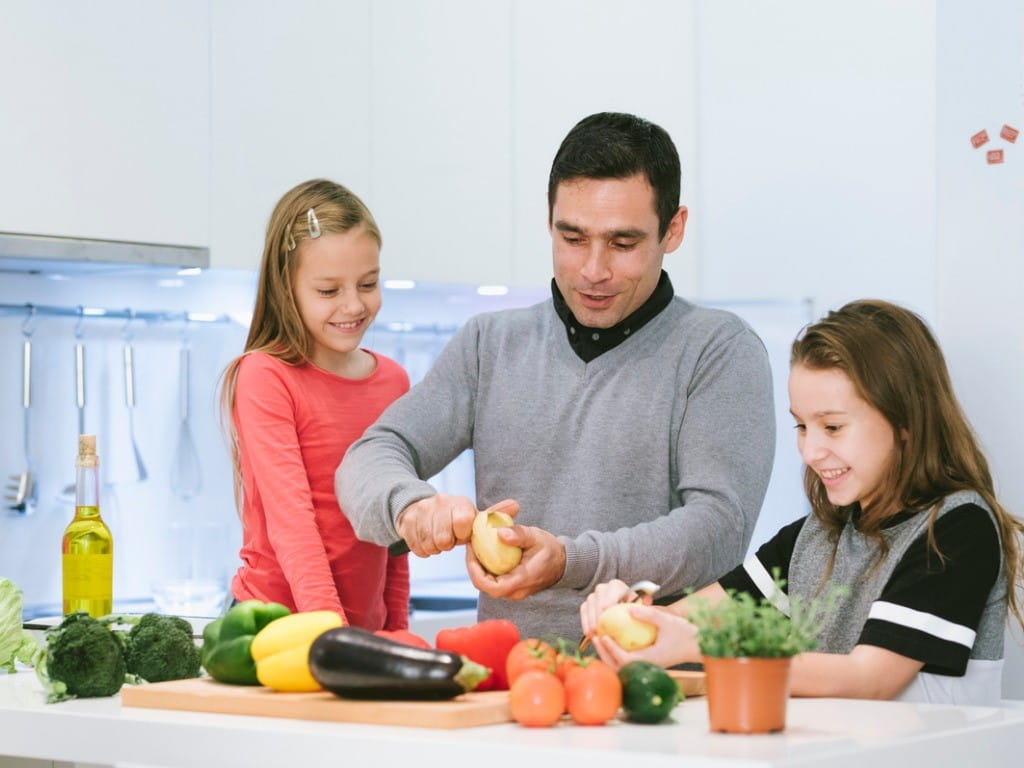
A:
(604, 596)
(676, 642)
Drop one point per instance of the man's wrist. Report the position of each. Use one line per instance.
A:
(404, 497)
(580, 563)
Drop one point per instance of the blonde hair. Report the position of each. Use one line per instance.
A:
(897, 367)
(277, 328)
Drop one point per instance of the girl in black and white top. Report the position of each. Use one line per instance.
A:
(902, 512)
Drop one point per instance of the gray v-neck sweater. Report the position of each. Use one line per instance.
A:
(650, 462)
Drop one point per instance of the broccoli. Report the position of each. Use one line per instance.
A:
(82, 658)
(161, 648)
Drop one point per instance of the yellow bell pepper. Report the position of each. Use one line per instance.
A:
(281, 650)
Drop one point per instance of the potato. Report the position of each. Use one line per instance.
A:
(631, 634)
(494, 555)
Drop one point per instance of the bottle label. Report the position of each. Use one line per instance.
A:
(88, 577)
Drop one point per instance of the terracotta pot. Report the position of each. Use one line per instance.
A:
(747, 695)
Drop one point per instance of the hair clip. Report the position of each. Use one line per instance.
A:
(313, 224)
(289, 244)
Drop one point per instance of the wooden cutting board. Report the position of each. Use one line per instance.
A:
(206, 695)
(693, 683)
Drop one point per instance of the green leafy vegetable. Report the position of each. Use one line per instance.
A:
(15, 643)
(743, 626)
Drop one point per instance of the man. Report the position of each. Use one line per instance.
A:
(634, 429)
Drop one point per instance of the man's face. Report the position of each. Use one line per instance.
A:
(607, 254)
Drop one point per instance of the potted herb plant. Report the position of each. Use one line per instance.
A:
(747, 645)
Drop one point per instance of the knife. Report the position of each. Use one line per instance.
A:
(398, 548)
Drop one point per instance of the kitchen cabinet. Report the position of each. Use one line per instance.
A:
(577, 57)
(442, 148)
(835, 732)
(405, 103)
(105, 120)
(184, 122)
(290, 89)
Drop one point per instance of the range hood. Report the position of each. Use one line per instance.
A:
(44, 254)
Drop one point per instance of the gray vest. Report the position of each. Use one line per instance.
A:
(855, 554)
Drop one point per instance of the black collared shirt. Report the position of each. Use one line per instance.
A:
(589, 343)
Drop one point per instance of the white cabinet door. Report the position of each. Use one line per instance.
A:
(576, 57)
(291, 102)
(442, 139)
(105, 114)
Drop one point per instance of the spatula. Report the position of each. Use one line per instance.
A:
(24, 494)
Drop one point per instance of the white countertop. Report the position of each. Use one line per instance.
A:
(835, 732)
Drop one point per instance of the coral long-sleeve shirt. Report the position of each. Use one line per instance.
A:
(294, 425)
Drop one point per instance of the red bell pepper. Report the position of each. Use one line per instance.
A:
(403, 636)
(487, 643)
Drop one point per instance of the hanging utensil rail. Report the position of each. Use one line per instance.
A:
(100, 313)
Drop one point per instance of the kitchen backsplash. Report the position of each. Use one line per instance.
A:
(166, 543)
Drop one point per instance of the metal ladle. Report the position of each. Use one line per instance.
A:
(68, 491)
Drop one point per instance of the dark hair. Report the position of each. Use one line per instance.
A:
(897, 367)
(612, 145)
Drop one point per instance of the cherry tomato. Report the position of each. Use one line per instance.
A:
(537, 698)
(593, 693)
(566, 664)
(528, 654)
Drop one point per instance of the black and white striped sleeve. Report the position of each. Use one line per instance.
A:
(755, 575)
(929, 610)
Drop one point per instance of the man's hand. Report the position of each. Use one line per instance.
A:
(436, 524)
(542, 565)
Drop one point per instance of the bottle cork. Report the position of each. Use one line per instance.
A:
(87, 452)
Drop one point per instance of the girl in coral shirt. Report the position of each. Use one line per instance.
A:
(298, 396)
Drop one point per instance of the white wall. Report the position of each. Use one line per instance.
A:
(979, 262)
(835, 164)
(817, 150)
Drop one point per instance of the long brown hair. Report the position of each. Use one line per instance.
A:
(277, 328)
(897, 367)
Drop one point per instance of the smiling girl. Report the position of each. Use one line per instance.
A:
(902, 512)
(302, 392)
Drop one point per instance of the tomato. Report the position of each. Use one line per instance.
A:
(593, 693)
(566, 664)
(526, 655)
(537, 698)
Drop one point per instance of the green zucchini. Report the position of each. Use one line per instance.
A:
(356, 664)
(648, 692)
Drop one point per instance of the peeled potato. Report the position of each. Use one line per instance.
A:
(630, 633)
(494, 555)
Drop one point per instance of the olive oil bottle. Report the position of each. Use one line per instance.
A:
(87, 550)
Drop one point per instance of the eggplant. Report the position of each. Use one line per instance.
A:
(356, 664)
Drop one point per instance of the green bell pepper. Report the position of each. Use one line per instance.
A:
(227, 641)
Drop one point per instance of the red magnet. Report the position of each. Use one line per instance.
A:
(981, 137)
(994, 156)
(1009, 133)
